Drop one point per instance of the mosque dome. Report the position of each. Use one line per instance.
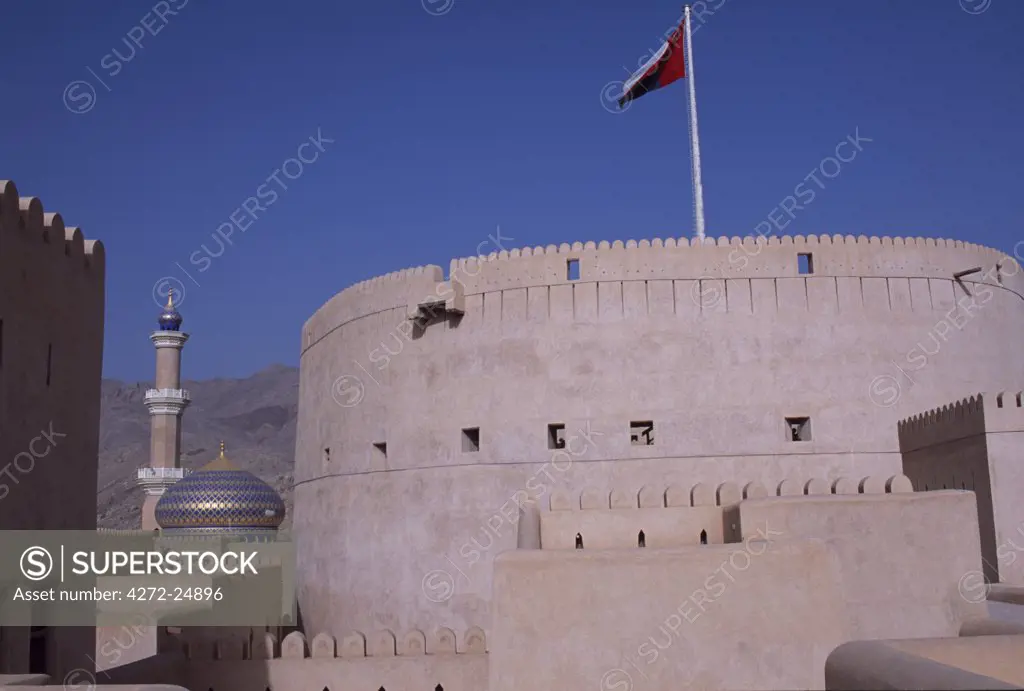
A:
(220, 498)
(170, 318)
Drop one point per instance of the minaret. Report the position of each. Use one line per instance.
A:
(166, 402)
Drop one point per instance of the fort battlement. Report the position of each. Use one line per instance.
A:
(974, 443)
(355, 645)
(371, 297)
(356, 661)
(979, 414)
(725, 494)
(675, 517)
(25, 215)
(680, 276)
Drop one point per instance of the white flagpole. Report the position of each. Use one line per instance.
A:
(698, 188)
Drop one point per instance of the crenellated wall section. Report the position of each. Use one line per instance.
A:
(975, 444)
(409, 661)
(427, 401)
(51, 341)
(678, 517)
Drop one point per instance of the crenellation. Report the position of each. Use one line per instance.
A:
(294, 646)
(353, 646)
(475, 641)
(382, 644)
(324, 646)
(443, 642)
(413, 643)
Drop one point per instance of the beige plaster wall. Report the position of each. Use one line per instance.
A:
(903, 557)
(760, 615)
(975, 444)
(1004, 440)
(716, 344)
(52, 309)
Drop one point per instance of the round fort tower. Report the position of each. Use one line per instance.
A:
(431, 409)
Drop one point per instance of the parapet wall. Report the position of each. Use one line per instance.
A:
(724, 257)
(702, 270)
(974, 442)
(370, 297)
(26, 215)
(380, 660)
(675, 517)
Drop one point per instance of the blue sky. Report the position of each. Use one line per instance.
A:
(449, 118)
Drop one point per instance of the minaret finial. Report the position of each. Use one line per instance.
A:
(170, 299)
(222, 449)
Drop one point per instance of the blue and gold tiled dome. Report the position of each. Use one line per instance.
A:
(170, 319)
(220, 498)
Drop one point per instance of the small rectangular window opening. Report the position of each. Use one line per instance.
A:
(556, 436)
(641, 433)
(798, 428)
(572, 269)
(470, 439)
(806, 263)
(327, 456)
(380, 449)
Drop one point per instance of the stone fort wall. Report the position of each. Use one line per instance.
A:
(418, 441)
(976, 444)
(51, 342)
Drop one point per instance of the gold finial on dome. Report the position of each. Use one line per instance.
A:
(220, 463)
(170, 299)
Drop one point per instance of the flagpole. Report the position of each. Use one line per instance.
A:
(698, 187)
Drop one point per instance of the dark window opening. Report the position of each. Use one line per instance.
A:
(703, 537)
(1018, 400)
(327, 455)
(999, 400)
(963, 485)
(799, 428)
(470, 439)
(381, 449)
(572, 269)
(438, 688)
(999, 274)
(926, 487)
(556, 436)
(641, 539)
(579, 541)
(805, 263)
(49, 363)
(641, 433)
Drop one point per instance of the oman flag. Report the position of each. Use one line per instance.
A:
(664, 67)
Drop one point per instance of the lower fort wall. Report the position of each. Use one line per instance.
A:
(974, 444)
(806, 574)
(411, 662)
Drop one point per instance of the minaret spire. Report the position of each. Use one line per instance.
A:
(166, 402)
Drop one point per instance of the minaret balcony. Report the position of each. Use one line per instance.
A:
(167, 401)
(156, 480)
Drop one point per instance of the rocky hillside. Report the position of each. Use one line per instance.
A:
(255, 417)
